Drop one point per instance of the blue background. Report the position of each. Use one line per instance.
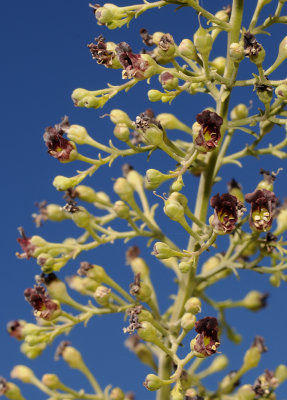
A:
(44, 58)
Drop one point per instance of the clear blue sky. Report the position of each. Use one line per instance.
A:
(44, 58)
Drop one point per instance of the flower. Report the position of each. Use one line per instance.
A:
(208, 135)
(104, 53)
(265, 384)
(15, 329)
(259, 343)
(27, 246)
(146, 37)
(251, 46)
(262, 204)
(44, 307)
(227, 210)
(206, 342)
(58, 146)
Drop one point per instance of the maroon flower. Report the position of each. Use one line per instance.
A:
(26, 245)
(227, 210)
(262, 205)
(209, 135)
(134, 65)
(43, 305)
(58, 146)
(100, 53)
(15, 328)
(206, 342)
(146, 37)
(251, 46)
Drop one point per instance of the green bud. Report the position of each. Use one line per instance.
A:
(236, 52)
(154, 95)
(218, 364)
(79, 94)
(83, 285)
(258, 58)
(162, 251)
(121, 209)
(122, 132)
(281, 92)
(23, 373)
(177, 185)
(222, 15)
(82, 218)
(153, 382)
(86, 193)
(102, 295)
(184, 267)
(32, 351)
(282, 55)
(187, 49)
(174, 210)
(135, 179)
(281, 373)
(245, 393)
(188, 321)
(168, 81)
(55, 213)
(181, 198)
(148, 332)
(193, 305)
(254, 300)
(219, 64)
(239, 112)
(57, 290)
(93, 271)
(13, 392)
(51, 381)
(108, 13)
(169, 121)
(154, 178)
(63, 183)
(203, 41)
(153, 135)
(117, 394)
(120, 117)
(252, 358)
(275, 280)
(78, 134)
(73, 357)
(123, 189)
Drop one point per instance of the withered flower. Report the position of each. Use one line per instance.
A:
(3, 385)
(60, 349)
(262, 205)
(166, 42)
(58, 146)
(265, 384)
(227, 210)
(208, 136)
(135, 286)
(15, 328)
(251, 46)
(134, 323)
(100, 53)
(26, 245)
(84, 268)
(260, 344)
(43, 305)
(207, 341)
(132, 253)
(134, 65)
(146, 37)
(146, 119)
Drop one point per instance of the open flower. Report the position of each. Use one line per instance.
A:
(27, 246)
(262, 204)
(208, 134)
(207, 341)
(58, 146)
(44, 307)
(227, 210)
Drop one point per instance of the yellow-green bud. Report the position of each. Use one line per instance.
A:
(13, 392)
(236, 52)
(156, 37)
(254, 300)
(202, 41)
(79, 94)
(153, 382)
(166, 47)
(193, 305)
(86, 193)
(219, 363)
(154, 178)
(174, 210)
(153, 135)
(95, 272)
(120, 117)
(245, 393)
(238, 112)
(32, 351)
(162, 251)
(281, 91)
(188, 321)
(108, 13)
(181, 198)
(219, 64)
(252, 358)
(81, 218)
(184, 267)
(102, 295)
(135, 179)
(117, 394)
(177, 185)
(78, 134)
(168, 81)
(55, 213)
(281, 373)
(122, 132)
(123, 189)
(148, 332)
(23, 373)
(275, 280)
(187, 49)
(121, 209)
(154, 95)
(222, 15)
(258, 58)
(144, 292)
(63, 183)
(51, 381)
(83, 285)
(57, 290)
(72, 357)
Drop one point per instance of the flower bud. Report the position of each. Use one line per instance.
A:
(32, 351)
(203, 41)
(102, 295)
(179, 197)
(236, 52)
(275, 280)
(123, 189)
(120, 117)
(168, 81)
(264, 93)
(184, 267)
(63, 183)
(239, 112)
(72, 357)
(122, 132)
(218, 364)
(106, 14)
(255, 300)
(166, 46)
(251, 358)
(154, 95)
(258, 58)
(78, 134)
(121, 209)
(177, 185)
(134, 178)
(219, 64)
(154, 179)
(82, 285)
(152, 382)
(86, 193)
(82, 218)
(148, 332)
(282, 55)
(51, 381)
(57, 289)
(245, 393)
(93, 271)
(281, 92)
(187, 49)
(23, 373)
(187, 321)
(117, 394)
(10, 390)
(55, 213)
(79, 94)
(174, 210)
(281, 373)
(162, 251)
(193, 305)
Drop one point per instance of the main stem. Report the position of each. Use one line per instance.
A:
(187, 283)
